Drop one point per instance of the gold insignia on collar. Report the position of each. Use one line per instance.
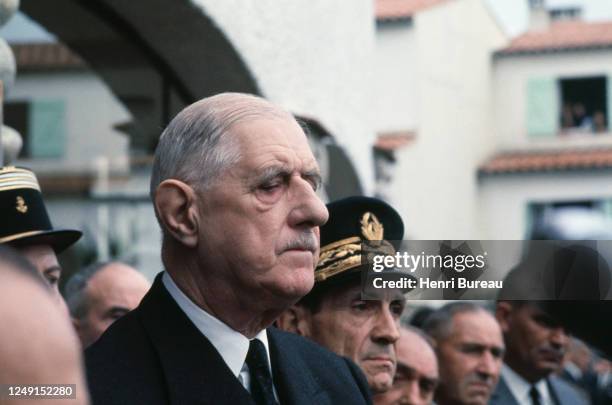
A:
(21, 205)
(371, 228)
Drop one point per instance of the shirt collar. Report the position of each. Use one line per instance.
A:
(231, 344)
(519, 387)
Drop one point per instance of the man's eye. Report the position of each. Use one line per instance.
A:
(400, 377)
(397, 309)
(497, 353)
(270, 186)
(314, 183)
(360, 306)
(51, 279)
(427, 386)
(114, 315)
(472, 349)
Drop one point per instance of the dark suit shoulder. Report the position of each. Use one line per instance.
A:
(311, 352)
(306, 346)
(566, 392)
(122, 367)
(338, 376)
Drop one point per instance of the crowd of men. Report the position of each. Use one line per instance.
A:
(260, 298)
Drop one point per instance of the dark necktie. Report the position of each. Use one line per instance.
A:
(534, 394)
(261, 380)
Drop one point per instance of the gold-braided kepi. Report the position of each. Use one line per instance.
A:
(353, 221)
(23, 217)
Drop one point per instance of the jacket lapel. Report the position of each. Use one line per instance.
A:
(293, 379)
(195, 373)
(502, 394)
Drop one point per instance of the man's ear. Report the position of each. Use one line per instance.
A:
(78, 327)
(295, 320)
(175, 203)
(503, 311)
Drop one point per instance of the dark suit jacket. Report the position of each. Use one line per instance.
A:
(155, 355)
(562, 393)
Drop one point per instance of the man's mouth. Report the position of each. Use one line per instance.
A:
(552, 356)
(383, 361)
(481, 385)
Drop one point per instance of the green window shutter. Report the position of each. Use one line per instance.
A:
(542, 107)
(609, 101)
(47, 132)
(606, 208)
(529, 214)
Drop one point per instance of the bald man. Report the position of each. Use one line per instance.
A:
(100, 294)
(416, 376)
(37, 344)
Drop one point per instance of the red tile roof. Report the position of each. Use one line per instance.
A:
(562, 35)
(529, 161)
(400, 9)
(45, 56)
(390, 141)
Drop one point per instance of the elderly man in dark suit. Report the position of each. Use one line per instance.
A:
(234, 188)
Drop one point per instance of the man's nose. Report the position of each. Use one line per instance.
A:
(558, 338)
(387, 328)
(308, 209)
(488, 365)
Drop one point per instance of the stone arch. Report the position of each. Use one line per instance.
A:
(340, 178)
(156, 55)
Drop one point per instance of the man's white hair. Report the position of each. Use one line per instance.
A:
(193, 149)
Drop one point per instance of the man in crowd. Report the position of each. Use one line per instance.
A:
(37, 344)
(470, 348)
(334, 314)
(26, 226)
(100, 294)
(416, 377)
(536, 343)
(578, 369)
(234, 187)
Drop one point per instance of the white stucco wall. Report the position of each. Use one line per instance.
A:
(395, 77)
(435, 187)
(511, 74)
(504, 198)
(314, 58)
(91, 111)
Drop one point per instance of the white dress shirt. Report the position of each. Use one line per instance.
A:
(519, 387)
(231, 345)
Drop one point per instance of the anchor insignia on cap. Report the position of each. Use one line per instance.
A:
(21, 205)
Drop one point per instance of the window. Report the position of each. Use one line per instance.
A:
(583, 105)
(16, 116)
(568, 106)
(572, 217)
(566, 13)
(41, 125)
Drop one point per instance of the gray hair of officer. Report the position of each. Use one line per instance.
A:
(439, 324)
(193, 147)
(74, 292)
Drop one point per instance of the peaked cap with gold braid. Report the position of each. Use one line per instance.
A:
(23, 217)
(354, 220)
